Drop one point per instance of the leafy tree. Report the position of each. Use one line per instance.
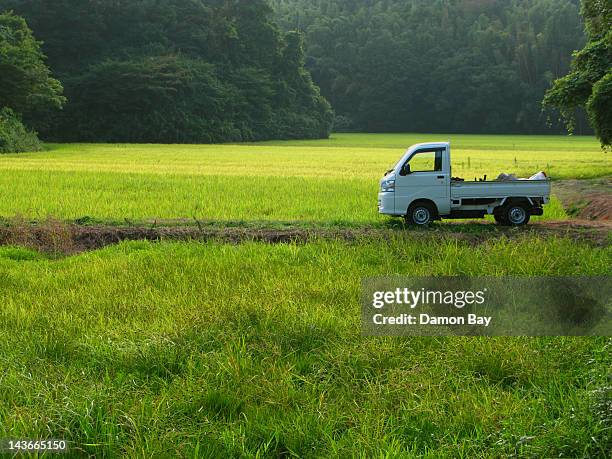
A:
(589, 84)
(14, 136)
(26, 84)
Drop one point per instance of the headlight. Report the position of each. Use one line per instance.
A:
(387, 186)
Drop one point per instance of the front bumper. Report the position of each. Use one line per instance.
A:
(386, 203)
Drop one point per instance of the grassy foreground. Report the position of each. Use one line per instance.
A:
(254, 350)
(331, 181)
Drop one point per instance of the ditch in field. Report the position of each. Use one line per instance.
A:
(55, 236)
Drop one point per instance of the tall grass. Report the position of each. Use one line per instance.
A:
(207, 350)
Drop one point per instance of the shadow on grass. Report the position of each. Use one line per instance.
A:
(468, 227)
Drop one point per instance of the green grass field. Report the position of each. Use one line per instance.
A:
(254, 350)
(325, 181)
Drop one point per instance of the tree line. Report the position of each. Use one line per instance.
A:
(479, 66)
(239, 70)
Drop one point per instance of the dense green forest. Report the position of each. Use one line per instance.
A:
(240, 70)
(173, 71)
(438, 65)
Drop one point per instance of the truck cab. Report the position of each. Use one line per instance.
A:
(421, 188)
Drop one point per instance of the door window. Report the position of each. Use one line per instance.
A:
(426, 161)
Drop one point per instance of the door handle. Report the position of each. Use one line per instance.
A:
(440, 176)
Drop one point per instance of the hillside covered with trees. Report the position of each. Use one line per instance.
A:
(173, 71)
(479, 66)
(200, 71)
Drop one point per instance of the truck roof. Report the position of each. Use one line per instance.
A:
(431, 145)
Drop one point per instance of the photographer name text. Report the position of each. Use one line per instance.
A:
(426, 319)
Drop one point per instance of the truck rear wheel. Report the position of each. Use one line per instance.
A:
(516, 215)
(500, 219)
(420, 214)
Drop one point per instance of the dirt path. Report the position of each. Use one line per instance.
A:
(62, 238)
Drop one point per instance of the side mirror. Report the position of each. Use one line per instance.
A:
(406, 169)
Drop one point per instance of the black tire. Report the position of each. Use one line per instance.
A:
(516, 215)
(420, 214)
(500, 219)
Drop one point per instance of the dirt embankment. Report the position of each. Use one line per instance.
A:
(586, 199)
(58, 237)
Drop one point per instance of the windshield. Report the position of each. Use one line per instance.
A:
(397, 163)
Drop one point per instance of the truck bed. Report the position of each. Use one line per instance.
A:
(493, 189)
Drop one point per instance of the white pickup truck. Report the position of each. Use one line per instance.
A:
(420, 188)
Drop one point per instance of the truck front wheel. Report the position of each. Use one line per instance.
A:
(516, 215)
(420, 214)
